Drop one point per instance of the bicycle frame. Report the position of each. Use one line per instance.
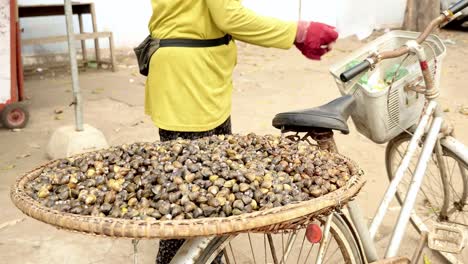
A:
(425, 128)
(367, 235)
(191, 250)
(432, 133)
(456, 146)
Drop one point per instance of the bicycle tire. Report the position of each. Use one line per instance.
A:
(416, 218)
(341, 231)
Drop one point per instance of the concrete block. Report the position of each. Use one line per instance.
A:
(66, 141)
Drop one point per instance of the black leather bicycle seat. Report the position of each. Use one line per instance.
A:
(333, 115)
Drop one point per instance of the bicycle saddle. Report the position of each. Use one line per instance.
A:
(333, 115)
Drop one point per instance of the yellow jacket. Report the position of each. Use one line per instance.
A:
(189, 89)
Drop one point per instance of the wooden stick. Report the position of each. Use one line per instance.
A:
(95, 30)
(411, 13)
(83, 42)
(409, 23)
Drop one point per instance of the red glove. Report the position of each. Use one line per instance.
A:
(313, 38)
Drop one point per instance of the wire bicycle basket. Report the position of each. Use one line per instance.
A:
(385, 108)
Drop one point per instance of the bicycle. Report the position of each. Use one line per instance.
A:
(404, 113)
(429, 136)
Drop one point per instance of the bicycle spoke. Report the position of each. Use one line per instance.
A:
(272, 249)
(282, 244)
(427, 218)
(302, 246)
(450, 175)
(291, 239)
(454, 214)
(430, 204)
(451, 180)
(308, 254)
(251, 248)
(330, 257)
(429, 198)
(226, 257)
(453, 168)
(430, 186)
(464, 219)
(399, 153)
(435, 194)
(339, 240)
(436, 179)
(429, 171)
(283, 247)
(454, 192)
(232, 253)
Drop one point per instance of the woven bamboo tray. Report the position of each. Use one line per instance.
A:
(273, 220)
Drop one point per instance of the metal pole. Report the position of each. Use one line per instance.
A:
(420, 248)
(413, 191)
(392, 189)
(193, 248)
(300, 10)
(325, 240)
(135, 250)
(289, 247)
(74, 66)
(361, 226)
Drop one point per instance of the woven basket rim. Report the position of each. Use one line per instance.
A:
(270, 220)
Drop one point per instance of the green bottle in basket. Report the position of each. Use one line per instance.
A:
(370, 82)
(390, 73)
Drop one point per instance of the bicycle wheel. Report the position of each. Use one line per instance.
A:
(434, 202)
(290, 247)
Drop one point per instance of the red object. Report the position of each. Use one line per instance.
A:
(12, 113)
(316, 41)
(19, 62)
(13, 49)
(424, 65)
(16, 69)
(314, 234)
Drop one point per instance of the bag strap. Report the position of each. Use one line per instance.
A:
(195, 43)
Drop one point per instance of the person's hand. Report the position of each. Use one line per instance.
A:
(314, 39)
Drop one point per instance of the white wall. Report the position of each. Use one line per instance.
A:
(128, 19)
(349, 16)
(5, 72)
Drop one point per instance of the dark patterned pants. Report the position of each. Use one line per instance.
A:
(169, 248)
(223, 129)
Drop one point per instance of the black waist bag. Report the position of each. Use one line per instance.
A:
(150, 45)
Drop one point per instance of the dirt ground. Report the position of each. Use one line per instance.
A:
(267, 81)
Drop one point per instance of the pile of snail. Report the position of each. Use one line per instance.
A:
(217, 176)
